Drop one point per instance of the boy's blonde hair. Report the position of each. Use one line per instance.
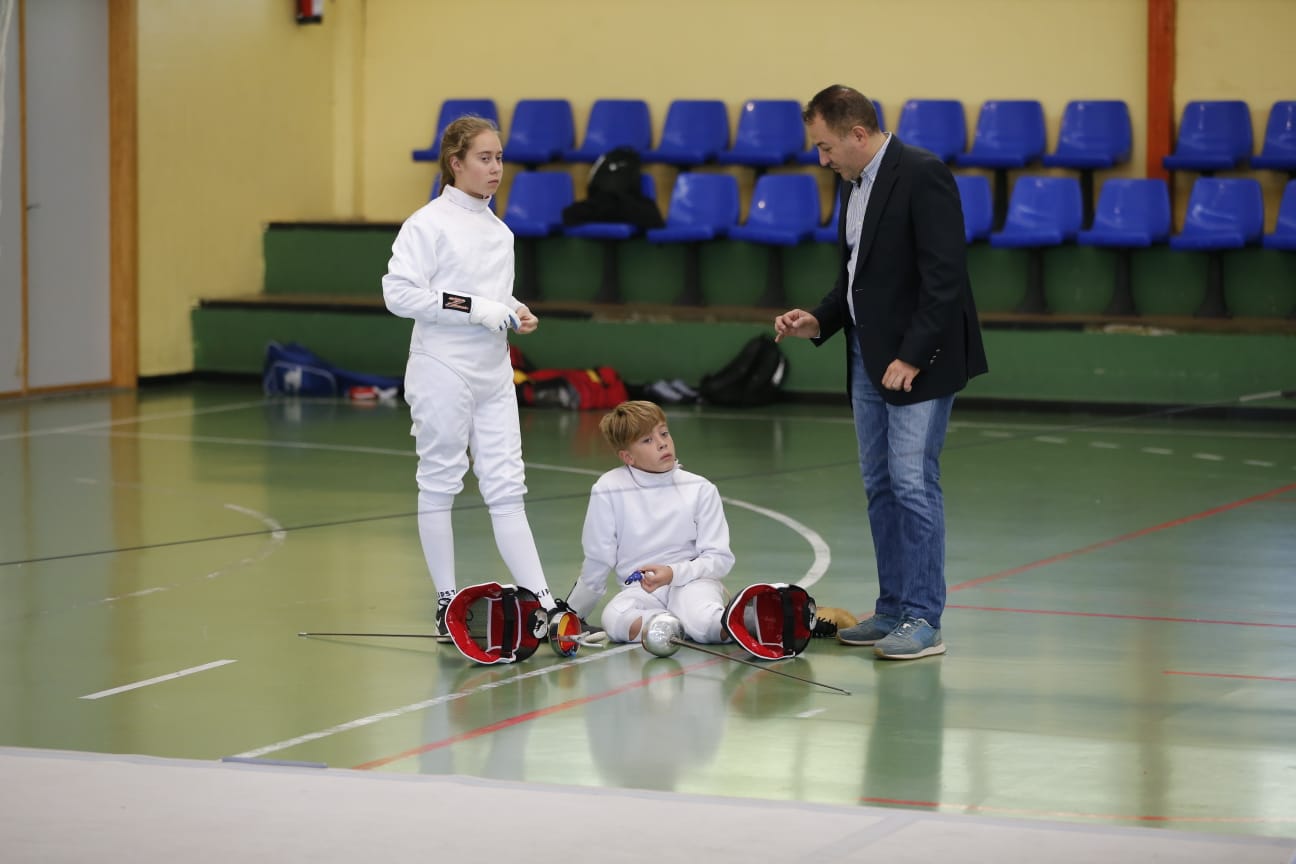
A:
(630, 421)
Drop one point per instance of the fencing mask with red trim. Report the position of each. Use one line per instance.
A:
(771, 621)
(493, 623)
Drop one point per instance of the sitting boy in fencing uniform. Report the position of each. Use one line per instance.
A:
(661, 529)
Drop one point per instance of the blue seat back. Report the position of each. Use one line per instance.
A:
(1215, 129)
(938, 125)
(1134, 206)
(617, 123)
(1099, 127)
(1280, 131)
(453, 109)
(539, 196)
(978, 205)
(1233, 204)
(770, 126)
(540, 129)
(1045, 203)
(1010, 127)
(703, 201)
(696, 124)
(1287, 210)
(789, 201)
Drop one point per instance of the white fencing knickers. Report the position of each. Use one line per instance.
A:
(454, 414)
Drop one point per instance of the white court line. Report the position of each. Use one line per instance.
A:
(427, 703)
(1209, 457)
(1104, 445)
(126, 421)
(1158, 451)
(183, 672)
(1259, 463)
(1050, 439)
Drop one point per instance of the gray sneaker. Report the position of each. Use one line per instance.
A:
(869, 631)
(914, 638)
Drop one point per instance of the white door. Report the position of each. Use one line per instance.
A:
(67, 217)
(11, 312)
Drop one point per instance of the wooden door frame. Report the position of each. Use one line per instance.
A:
(123, 191)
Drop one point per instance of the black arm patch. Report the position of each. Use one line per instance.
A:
(456, 302)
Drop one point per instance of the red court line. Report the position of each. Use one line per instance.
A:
(1124, 617)
(530, 715)
(1103, 544)
(1030, 811)
(1226, 675)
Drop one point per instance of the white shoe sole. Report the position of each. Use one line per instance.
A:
(926, 652)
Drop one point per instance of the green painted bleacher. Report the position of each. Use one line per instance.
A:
(322, 289)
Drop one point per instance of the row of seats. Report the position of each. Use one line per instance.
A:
(1010, 134)
(1213, 135)
(1044, 211)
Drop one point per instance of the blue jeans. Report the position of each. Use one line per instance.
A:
(899, 457)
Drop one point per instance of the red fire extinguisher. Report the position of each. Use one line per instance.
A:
(310, 11)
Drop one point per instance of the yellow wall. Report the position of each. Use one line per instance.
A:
(246, 117)
(1237, 49)
(418, 53)
(235, 129)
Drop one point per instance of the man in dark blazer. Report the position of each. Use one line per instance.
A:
(904, 300)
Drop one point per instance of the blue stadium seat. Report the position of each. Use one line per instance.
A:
(1222, 214)
(614, 230)
(1279, 148)
(811, 156)
(696, 130)
(1044, 211)
(540, 132)
(535, 202)
(1131, 214)
(828, 233)
(614, 123)
(1009, 134)
(978, 207)
(702, 207)
(452, 110)
(1213, 136)
(1284, 235)
(938, 125)
(1094, 134)
(784, 211)
(770, 132)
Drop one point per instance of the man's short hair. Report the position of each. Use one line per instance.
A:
(842, 109)
(630, 421)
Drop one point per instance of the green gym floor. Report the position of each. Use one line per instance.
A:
(1121, 623)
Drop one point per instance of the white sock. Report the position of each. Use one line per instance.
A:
(517, 548)
(437, 536)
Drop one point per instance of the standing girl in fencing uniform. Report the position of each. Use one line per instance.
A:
(451, 270)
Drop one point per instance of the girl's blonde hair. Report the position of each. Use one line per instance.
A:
(456, 140)
(630, 421)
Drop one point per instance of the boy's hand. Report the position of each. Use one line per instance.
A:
(655, 576)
